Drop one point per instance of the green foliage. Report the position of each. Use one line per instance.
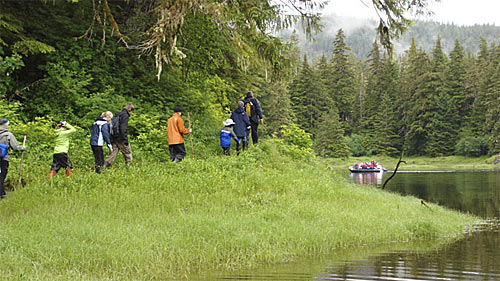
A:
(330, 141)
(8, 64)
(295, 142)
(472, 146)
(355, 144)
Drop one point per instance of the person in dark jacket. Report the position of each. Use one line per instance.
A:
(252, 106)
(225, 136)
(242, 124)
(120, 141)
(8, 140)
(99, 136)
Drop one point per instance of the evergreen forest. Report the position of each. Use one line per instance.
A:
(72, 60)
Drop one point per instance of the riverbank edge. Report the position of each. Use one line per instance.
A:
(421, 163)
(218, 213)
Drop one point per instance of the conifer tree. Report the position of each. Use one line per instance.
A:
(455, 82)
(330, 137)
(372, 97)
(305, 92)
(478, 79)
(416, 73)
(387, 140)
(342, 83)
(442, 130)
(493, 101)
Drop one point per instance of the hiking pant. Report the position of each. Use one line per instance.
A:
(125, 149)
(244, 144)
(98, 157)
(177, 152)
(226, 150)
(3, 174)
(60, 160)
(255, 134)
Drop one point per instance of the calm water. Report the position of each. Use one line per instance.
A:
(476, 257)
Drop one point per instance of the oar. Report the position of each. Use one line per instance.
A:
(21, 164)
(190, 136)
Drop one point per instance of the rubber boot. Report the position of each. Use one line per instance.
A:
(52, 173)
(68, 172)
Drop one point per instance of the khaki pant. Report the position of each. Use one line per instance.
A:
(125, 149)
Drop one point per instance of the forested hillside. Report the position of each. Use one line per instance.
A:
(70, 61)
(360, 34)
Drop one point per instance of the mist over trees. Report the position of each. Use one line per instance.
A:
(360, 33)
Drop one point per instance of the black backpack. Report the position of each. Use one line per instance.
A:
(115, 126)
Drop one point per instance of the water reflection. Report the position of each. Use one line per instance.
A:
(367, 178)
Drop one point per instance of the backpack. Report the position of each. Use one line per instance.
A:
(248, 108)
(4, 149)
(115, 126)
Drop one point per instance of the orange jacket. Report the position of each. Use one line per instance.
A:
(176, 129)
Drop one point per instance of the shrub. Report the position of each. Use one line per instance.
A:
(472, 146)
(355, 144)
(295, 143)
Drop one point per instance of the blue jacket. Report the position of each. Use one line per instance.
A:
(225, 136)
(242, 121)
(100, 133)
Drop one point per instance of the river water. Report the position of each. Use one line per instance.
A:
(476, 257)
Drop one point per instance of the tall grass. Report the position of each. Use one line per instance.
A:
(161, 220)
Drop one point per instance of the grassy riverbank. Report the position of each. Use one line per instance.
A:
(423, 163)
(163, 220)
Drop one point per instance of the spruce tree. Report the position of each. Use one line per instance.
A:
(342, 83)
(442, 130)
(306, 91)
(455, 82)
(416, 75)
(330, 137)
(493, 101)
(387, 125)
(479, 78)
(372, 97)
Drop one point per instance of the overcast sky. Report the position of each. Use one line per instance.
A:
(460, 12)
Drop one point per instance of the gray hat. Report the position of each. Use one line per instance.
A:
(249, 94)
(4, 121)
(241, 104)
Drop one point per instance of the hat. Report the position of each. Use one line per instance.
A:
(241, 104)
(249, 94)
(228, 122)
(4, 121)
(177, 109)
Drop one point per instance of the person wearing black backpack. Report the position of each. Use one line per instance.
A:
(119, 137)
(254, 111)
(7, 141)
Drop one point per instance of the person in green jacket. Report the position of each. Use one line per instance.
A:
(60, 157)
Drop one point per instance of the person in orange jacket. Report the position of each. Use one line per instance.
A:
(175, 132)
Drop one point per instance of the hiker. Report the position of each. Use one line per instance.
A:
(7, 141)
(119, 137)
(175, 134)
(225, 136)
(242, 124)
(99, 136)
(60, 158)
(254, 111)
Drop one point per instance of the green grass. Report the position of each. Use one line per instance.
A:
(421, 163)
(162, 220)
